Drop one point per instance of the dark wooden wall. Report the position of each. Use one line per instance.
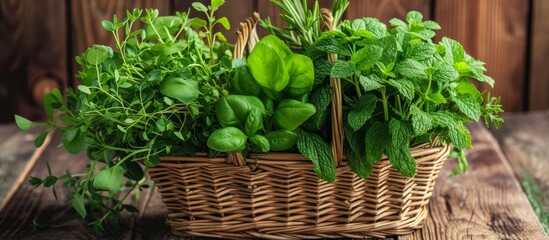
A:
(39, 39)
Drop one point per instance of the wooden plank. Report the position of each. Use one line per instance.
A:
(539, 56)
(86, 17)
(18, 155)
(57, 218)
(13, 148)
(494, 31)
(32, 55)
(388, 9)
(524, 140)
(236, 11)
(485, 203)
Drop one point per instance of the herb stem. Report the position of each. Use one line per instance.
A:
(385, 105)
(357, 86)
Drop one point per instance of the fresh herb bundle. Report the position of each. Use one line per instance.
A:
(400, 89)
(268, 101)
(154, 95)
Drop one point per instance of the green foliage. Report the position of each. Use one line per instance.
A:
(313, 147)
(423, 88)
(228, 139)
(291, 113)
(153, 94)
(266, 115)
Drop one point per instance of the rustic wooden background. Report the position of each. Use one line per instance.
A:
(39, 39)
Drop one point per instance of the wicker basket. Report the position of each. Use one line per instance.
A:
(279, 196)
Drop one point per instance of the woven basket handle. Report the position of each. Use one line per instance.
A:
(337, 106)
(247, 35)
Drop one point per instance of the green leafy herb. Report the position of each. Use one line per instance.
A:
(154, 92)
(313, 147)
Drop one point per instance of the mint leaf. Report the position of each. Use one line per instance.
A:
(360, 166)
(466, 87)
(437, 98)
(420, 51)
(400, 157)
(354, 139)
(319, 152)
(444, 119)
(431, 25)
(320, 97)
(366, 57)
(477, 68)
(343, 69)
(468, 105)
(362, 112)
(372, 25)
(377, 139)
(405, 87)
(424, 34)
(323, 69)
(401, 132)
(370, 82)
(454, 52)
(22, 123)
(411, 68)
(395, 22)
(109, 179)
(421, 121)
(459, 136)
(445, 73)
(390, 49)
(414, 16)
(331, 45)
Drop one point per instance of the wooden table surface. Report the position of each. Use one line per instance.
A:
(500, 197)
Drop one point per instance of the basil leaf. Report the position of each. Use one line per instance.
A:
(233, 110)
(229, 139)
(260, 143)
(268, 67)
(301, 73)
(281, 140)
(244, 83)
(291, 113)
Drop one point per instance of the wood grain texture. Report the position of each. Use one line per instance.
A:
(32, 47)
(37, 205)
(387, 9)
(485, 203)
(524, 140)
(235, 10)
(494, 31)
(538, 99)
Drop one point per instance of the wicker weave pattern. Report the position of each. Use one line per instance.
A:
(280, 197)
